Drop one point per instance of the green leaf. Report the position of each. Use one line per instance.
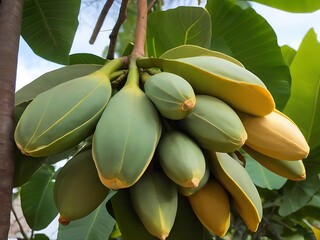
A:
(303, 106)
(263, 177)
(298, 194)
(52, 79)
(37, 199)
(24, 167)
(40, 237)
(49, 27)
(86, 58)
(297, 6)
(248, 37)
(98, 225)
(179, 26)
(288, 54)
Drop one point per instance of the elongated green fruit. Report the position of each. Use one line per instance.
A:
(275, 135)
(181, 158)
(188, 50)
(131, 227)
(155, 200)
(293, 170)
(126, 135)
(237, 181)
(212, 207)
(214, 125)
(220, 78)
(187, 191)
(63, 116)
(77, 189)
(171, 94)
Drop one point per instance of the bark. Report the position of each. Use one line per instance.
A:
(10, 24)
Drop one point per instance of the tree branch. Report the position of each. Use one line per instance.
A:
(141, 29)
(114, 34)
(10, 26)
(100, 20)
(25, 236)
(151, 4)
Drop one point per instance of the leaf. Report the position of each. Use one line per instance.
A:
(37, 199)
(262, 176)
(248, 37)
(98, 225)
(288, 54)
(40, 237)
(303, 106)
(296, 6)
(298, 194)
(49, 27)
(179, 26)
(86, 58)
(52, 79)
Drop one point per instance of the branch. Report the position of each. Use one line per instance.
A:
(114, 34)
(100, 21)
(151, 5)
(141, 29)
(25, 236)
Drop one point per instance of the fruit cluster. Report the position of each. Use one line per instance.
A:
(173, 132)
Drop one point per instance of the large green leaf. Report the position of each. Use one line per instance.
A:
(288, 54)
(49, 26)
(304, 104)
(86, 58)
(174, 27)
(98, 225)
(298, 194)
(37, 199)
(298, 6)
(52, 79)
(262, 176)
(249, 38)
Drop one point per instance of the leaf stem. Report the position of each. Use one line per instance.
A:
(100, 20)
(112, 66)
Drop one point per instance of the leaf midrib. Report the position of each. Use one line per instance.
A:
(45, 22)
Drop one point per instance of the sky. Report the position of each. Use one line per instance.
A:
(289, 27)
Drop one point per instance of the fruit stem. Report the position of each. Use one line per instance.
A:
(133, 75)
(112, 66)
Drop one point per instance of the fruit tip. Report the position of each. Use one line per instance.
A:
(63, 221)
(188, 105)
(114, 183)
(193, 182)
(163, 236)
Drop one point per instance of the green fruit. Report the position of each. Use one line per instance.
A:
(126, 136)
(187, 51)
(64, 115)
(78, 190)
(130, 225)
(155, 200)
(214, 125)
(171, 94)
(181, 159)
(187, 191)
(221, 78)
(234, 177)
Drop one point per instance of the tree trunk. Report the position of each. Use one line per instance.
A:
(10, 24)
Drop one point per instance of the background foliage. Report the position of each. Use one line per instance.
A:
(232, 27)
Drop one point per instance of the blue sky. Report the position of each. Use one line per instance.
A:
(289, 27)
